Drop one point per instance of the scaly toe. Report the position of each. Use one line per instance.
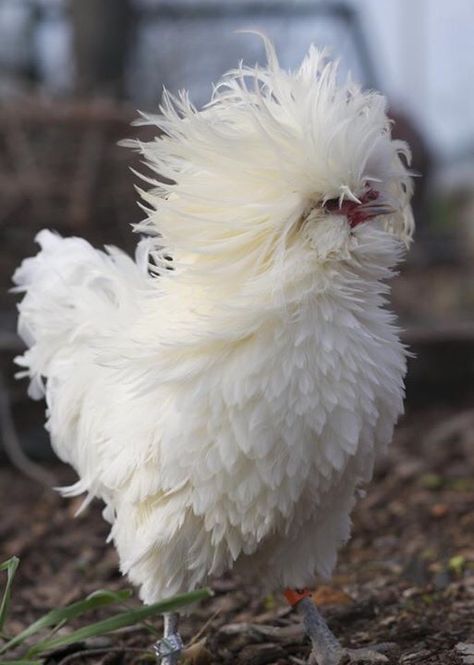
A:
(168, 649)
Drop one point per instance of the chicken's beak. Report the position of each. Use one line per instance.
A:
(376, 208)
(373, 204)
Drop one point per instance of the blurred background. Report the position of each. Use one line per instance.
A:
(74, 72)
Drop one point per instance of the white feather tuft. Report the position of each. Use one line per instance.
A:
(277, 142)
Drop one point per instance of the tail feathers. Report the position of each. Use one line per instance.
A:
(74, 294)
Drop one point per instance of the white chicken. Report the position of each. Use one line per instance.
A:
(226, 403)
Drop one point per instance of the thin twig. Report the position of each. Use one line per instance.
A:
(85, 653)
(293, 632)
(203, 628)
(12, 445)
(151, 629)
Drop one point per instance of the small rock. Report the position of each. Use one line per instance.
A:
(439, 510)
(466, 651)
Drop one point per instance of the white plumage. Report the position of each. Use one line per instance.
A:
(227, 404)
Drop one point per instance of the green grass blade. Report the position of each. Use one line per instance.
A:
(56, 616)
(21, 662)
(122, 620)
(10, 567)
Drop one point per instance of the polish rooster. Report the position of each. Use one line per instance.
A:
(226, 393)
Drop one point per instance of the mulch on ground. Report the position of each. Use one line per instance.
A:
(407, 575)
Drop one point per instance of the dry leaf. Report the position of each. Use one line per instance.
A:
(327, 595)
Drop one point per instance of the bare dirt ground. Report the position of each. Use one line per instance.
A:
(407, 575)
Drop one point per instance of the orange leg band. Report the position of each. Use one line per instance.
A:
(293, 596)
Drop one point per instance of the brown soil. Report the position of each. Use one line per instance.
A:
(407, 576)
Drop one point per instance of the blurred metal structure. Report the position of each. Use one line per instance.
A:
(103, 30)
(58, 161)
(101, 37)
(212, 11)
(61, 168)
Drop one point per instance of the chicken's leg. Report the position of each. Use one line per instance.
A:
(169, 648)
(326, 648)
